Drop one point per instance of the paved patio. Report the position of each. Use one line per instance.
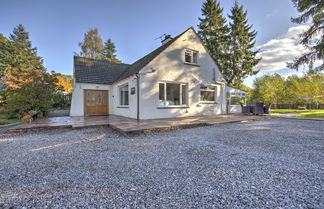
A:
(131, 126)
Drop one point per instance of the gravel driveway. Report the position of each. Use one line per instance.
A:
(268, 163)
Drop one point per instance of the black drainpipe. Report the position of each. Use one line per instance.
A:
(137, 85)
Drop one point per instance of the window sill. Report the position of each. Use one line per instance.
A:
(193, 64)
(172, 107)
(122, 106)
(208, 103)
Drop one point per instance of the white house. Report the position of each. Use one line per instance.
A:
(177, 79)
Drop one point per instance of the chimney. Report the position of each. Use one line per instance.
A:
(166, 39)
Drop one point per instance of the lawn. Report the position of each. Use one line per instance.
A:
(10, 120)
(300, 113)
(311, 114)
(281, 111)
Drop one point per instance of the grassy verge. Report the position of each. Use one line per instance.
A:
(282, 111)
(300, 113)
(312, 114)
(9, 120)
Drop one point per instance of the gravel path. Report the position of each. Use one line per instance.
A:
(269, 163)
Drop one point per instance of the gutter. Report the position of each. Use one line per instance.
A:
(137, 92)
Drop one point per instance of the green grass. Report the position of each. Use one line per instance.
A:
(312, 114)
(281, 111)
(300, 113)
(10, 120)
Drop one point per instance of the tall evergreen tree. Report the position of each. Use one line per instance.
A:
(21, 37)
(5, 46)
(109, 52)
(242, 57)
(213, 32)
(27, 84)
(313, 38)
(92, 45)
(17, 51)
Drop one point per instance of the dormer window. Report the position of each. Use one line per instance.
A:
(191, 56)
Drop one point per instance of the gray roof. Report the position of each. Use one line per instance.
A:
(102, 72)
(97, 71)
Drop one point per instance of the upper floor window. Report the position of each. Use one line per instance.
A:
(191, 56)
(123, 95)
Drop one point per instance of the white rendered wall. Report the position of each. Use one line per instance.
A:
(77, 103)
(117, 109)
(169, 66)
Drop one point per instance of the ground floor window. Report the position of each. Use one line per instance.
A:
(207, 93)
(172, 94)
(123, 95)
(235, 98)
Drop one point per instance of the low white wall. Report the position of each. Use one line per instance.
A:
(77, 103)
(234, 109)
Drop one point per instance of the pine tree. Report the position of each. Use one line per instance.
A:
(27, 84)
(92, 45)
(313, 38)
(109, 52)
(17, 51)
(5, 46)
(21, 37)
(213, 32)
(241, 57)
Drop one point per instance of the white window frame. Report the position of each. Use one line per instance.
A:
(208, 88)
(165, 94)
(191, 51)
(238, 95)
(119, 95)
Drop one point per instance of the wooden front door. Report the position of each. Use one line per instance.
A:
(96, 102)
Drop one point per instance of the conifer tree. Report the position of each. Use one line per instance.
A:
(213, 32)
(17, 51)
(5, 46)
(313, 38)
(242, 57)
(27, 84)
(109, 52)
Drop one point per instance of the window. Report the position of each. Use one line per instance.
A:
(184, 94)
(91, 97)
(172, 94)
(207, 94)
(191, 56)
(101, 98)
(123, 95)
(236, 98)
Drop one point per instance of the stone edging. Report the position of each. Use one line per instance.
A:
(9, 125)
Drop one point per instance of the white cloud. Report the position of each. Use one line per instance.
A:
(299, 74)
(277, 52)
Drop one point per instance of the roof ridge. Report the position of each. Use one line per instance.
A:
(98, 60)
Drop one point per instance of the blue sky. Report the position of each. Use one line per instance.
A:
(56, 27)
